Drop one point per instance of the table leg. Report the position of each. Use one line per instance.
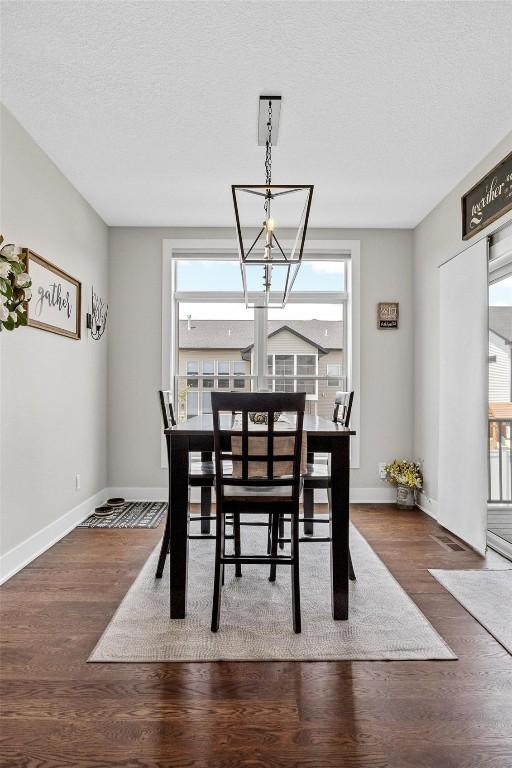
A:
(308, 498)
(178, 506)
(309, 509)
(339, 525)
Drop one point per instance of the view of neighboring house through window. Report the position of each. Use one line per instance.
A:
(215, 346)
(223, 368)
(334, 370)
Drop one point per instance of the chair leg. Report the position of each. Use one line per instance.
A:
(351, 572)
(164, 548)
(281, 530)
(295, 573)
(269, 532)
(219, 568)
(273, 548)
(238, 548)
(309, 509)
(223, 569)
(206, 507)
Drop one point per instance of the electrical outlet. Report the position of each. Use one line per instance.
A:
(77, 482)
(382, 470)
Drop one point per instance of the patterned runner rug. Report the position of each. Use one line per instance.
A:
(133, 514)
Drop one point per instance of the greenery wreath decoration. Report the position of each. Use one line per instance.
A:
(15, 287)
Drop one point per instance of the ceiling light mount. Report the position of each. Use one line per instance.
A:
(275, 102)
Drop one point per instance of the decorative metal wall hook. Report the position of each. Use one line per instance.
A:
(97, 317)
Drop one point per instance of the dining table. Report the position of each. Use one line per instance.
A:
(196, 435)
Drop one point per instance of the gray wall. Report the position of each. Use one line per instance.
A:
(53, 389)
(436, 239)
(135, 350)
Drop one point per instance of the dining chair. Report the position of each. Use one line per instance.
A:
(317, 476)
(257, 470)
(201, 474)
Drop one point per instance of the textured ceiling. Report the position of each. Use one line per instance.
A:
(150, 108)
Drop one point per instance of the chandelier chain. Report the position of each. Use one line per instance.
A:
(268, 156)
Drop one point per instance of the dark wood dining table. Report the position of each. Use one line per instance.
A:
(196, 435)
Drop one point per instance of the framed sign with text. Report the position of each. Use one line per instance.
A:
(387, 314)
(56, 298)
(489, 199)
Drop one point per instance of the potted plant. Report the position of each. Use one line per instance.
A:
(407, 477)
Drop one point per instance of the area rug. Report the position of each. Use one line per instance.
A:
(384, 623)
(486, 595)
(133, 514)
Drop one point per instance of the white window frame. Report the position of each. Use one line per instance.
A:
(225, 249)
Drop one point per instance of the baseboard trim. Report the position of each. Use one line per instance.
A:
(139, 494)
(27, 551)
(357, 495)
(385, 495)
(428, 505)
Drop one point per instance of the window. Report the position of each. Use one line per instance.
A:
(293, 366)
(223, 368)
(284, 366)
(334, 370)
(192, 370)
(302, 351)
(207, 402)
(208, 368)
(192, 402)
(239, 367)
(306, 366)
(205, 316)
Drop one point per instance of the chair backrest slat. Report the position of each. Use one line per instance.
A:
(245, 445)
(166, 408)
(270, 447)
(343, 403)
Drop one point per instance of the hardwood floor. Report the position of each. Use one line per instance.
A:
(58, 711)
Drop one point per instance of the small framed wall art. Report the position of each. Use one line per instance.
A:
(56, 297)
(387, 314)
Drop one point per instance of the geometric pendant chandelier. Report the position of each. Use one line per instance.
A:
(268, 268)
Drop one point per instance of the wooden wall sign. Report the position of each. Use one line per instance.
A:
(56, 298)
(387, 314)
(489, 199)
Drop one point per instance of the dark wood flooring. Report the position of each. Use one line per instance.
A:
(58, 711)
